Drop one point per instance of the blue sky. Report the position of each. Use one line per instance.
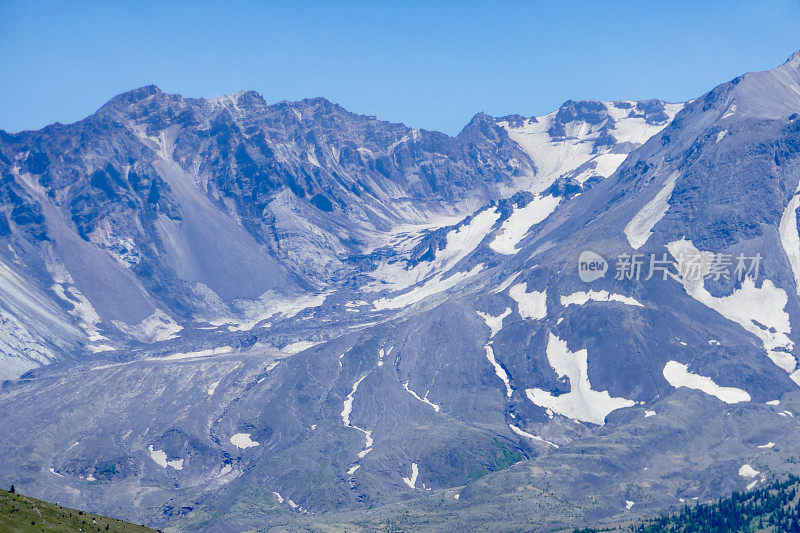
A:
(431, 65)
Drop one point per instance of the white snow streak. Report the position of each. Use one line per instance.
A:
(424, 400)
(434, 286)
(641, 226)
(523, 433)
(347, 410)
(522, 219)
(790, 239)
(582, 298)
(506, 284)
(499, 370)
(192, 355)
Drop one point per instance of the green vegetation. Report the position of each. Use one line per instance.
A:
(20, 513)
(773, 508)
(502, 457)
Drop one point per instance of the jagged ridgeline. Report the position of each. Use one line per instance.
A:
(224, 314)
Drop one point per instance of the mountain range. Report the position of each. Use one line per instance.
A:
(223, 314)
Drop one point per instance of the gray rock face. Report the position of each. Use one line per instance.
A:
(223, 314)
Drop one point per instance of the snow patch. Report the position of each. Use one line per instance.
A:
(100, 348)
(270, 305)
(495, 323)
(581, 402)
(412, 481)
(578, 155)
(160, 458)
(677, 375)
(299, 346)
(82, 309)
(459, 243)
(748, 472)
(730, 111)
(243, 441)
(530, 304)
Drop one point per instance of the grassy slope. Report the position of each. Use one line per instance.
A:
(20, 513)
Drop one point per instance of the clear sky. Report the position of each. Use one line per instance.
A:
(429, 64)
